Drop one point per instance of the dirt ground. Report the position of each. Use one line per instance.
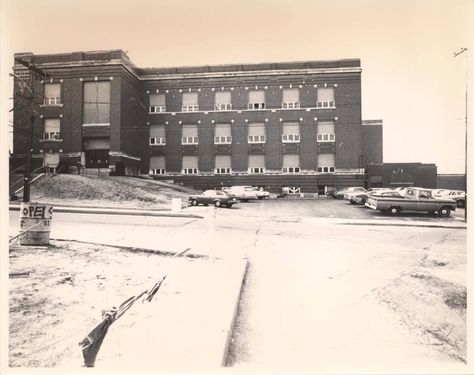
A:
(107, 191)
(58, 293)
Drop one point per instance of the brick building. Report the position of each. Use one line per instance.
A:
(295, 125)
(392, 175)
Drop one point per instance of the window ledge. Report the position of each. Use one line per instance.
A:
(51, 105)
(51, 140)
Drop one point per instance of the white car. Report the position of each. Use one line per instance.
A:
(242, 193)
(261, 193)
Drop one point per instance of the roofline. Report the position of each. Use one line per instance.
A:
(201, 71)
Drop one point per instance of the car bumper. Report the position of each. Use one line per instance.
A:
(371, 205)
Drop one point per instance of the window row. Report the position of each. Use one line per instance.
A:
(256, 133)
(97, 99)
(256, 164)
(256, 100)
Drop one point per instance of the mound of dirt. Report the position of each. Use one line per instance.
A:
(106, 191)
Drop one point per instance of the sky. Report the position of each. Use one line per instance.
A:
(410, 78)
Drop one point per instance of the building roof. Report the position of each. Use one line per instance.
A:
(108, 56)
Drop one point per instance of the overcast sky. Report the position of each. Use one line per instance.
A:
(410, 79)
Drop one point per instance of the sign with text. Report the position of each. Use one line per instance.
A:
(36, 211)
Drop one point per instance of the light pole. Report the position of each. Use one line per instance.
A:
(465, 123)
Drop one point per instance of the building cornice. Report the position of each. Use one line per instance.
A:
(251, 73)
(200, 75)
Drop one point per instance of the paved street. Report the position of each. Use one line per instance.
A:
(318, 295)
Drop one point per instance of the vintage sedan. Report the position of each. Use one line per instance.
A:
(353, 191)
(216, 197)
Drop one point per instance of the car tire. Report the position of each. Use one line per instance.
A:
(194, 202)
(260, 198)
(217, 203)
(444, 211)
(461, 203)
(229, 205)
(394, 210)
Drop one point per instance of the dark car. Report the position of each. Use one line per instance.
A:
(362, 198)
(216, 197)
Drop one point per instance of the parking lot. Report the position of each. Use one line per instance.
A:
(327, 207)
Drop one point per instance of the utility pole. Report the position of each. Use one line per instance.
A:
(31, 100)
(465, 124)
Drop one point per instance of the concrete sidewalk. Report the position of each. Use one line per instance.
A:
(186, 327)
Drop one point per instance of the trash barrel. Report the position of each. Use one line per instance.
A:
(35, 223)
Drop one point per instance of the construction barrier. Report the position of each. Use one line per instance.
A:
(35, 223)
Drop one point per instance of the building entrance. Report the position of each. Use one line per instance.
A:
(97, 158)
(97, 153)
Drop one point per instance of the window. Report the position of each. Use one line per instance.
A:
(223, 101)
(190, 135)
(256, 164)
(256, 99)
(291, 163)
(291, 132)
(190, 102)
(291, 99)
(51, 128)
(222, 164)
(325, 132)
(326, 169)
(256, 132)
(326, 163)
(326, 97)
(325, 137)
(157, 103)
(52, 94)
(190, 164)
(157, 165)
(222, 134)
(96, 103)
(157, 135)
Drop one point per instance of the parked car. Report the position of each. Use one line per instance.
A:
(216, 197)
(339, 194)
(242, 193)
(352, 191)
(458, 195)
(261, 193)
(414, 199)
(362, 198)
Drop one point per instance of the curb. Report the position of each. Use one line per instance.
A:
(408, 225)
(111, 211)
(229, 332)
(132, 249)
